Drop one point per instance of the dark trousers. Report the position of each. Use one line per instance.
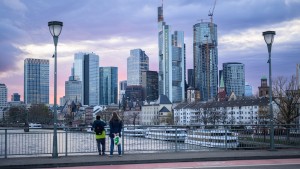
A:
(102, 142)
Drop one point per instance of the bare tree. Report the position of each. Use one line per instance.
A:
(286, 97)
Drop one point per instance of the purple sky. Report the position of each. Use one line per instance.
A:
(111, 28)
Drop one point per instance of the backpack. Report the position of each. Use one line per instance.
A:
(99, 129)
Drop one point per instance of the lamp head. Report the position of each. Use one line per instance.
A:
(55, 28)
(269, 37)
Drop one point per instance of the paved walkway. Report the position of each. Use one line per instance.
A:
(88, 160)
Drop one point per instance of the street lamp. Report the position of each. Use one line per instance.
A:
(269, 38)
(55, 28)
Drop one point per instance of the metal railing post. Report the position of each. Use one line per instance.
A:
(122, 133)
(176, 139)
(225, 138)
(5, 151)
(66, 143)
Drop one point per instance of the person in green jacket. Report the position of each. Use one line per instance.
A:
(98, 127)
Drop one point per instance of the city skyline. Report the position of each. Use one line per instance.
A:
(112, 29)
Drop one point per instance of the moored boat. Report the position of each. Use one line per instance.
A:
(167, 134)
(218, 138)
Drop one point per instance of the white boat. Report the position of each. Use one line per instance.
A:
(167, 134)
(35, 126)
(135, 132)
(218, 138)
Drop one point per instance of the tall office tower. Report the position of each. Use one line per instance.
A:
(73, 88)
(298, 75)
(171, 54)
(15, 97)
(3, 95)
(137, 62)
(234, 78)
(150, 85)
(108, 85)
(178, 66)
(205, 50)
(3, 99)
(263, 89)
(122, 89)
(36, 81)
(86, 68)
(248, 90)
(191, 78)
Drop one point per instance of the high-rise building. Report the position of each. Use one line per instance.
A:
(73, 88)
(205, 47)
(3, 95)
(3, 99)
(178, 66)
(191, 77)
(298, 75)
(150, 85)
(137, 62)
(36, 81)
(134, 93)
(122, 89)
(234, 78)
(108, 85)
(171, 54)
(15, 97)
(86, 68)
(248, 90)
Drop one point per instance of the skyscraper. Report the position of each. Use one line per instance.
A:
(108, 85)
(205, 47)
(150, 85)
(248, 90)
(15, 97)
(191, 77)
(137, 62)
(171, 54)
(3, 99)
(36, 81)
(234, 78)
(86, 68)
(73, 88)
(122, 89)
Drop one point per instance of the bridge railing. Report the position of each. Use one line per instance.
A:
(148, 139)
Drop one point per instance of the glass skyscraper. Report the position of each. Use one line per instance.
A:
(137, 62)
(73, 88)
(205, 49)
(108, 85)
(36, 81)
(234, 78)
(171, 56)
(86, 68)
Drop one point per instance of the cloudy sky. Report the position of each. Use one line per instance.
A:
(111, 28)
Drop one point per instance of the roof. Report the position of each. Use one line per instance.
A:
(234, 103)
(163, 99)
(164, 109)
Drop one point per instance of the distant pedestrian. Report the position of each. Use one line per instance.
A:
(115, 125)
(98, 127)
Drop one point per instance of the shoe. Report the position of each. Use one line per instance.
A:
(99, 154)
(103, 154)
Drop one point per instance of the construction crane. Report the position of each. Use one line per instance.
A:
(208, 46)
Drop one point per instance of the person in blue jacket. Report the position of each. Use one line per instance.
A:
(115, 125)
(100, 137)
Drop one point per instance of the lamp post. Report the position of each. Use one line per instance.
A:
(269, 38)
(55, 28)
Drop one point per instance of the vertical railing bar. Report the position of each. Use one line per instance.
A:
(66, 143)
(5, 151)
